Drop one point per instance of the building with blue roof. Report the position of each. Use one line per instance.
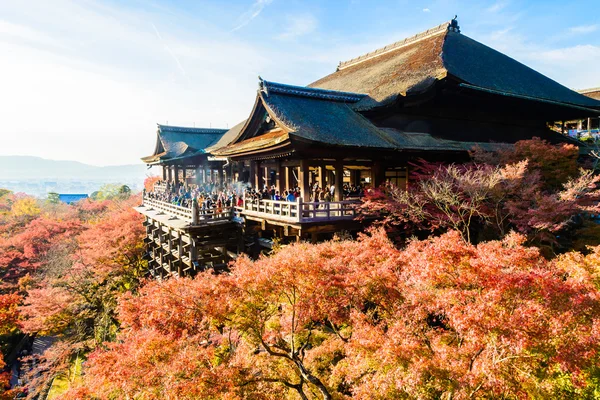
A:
(71, 198)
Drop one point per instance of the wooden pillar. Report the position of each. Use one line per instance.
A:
(267, 177)
(330, 177)
(193, 255)
(164, 173)
(220, 175)
(290, 180)
(589, 125)
(339, 181)
(206, 174)
(304, 180)
(377, 174)
(281, 178)
(170, 250)
(251, 175)
(183, 174)
(258, 176)
(322, 172)
(170, 173)
(176, 173)
(180, 252)
(198, 174)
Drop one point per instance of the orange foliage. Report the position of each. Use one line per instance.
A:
(357, 318)
(150, 181)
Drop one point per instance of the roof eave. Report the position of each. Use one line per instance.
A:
(531, 98)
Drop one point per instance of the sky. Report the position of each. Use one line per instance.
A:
(89, 80)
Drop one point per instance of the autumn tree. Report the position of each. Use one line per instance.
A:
(486, 201)
(555, 163)
(150, 181)
(76, 285)
(440, 319)
(112, 191)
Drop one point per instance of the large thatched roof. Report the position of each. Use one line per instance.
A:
(443, 52)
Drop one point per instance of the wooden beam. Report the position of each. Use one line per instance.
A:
(291, 163)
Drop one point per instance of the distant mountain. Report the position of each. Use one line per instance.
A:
(26, 168)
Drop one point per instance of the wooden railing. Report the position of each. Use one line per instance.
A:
(299, 211)
(284, 211)
(160, 187)
(194, 214)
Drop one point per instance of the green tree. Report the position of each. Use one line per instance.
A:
(53, 198)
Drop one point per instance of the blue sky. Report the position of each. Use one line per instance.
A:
(88, 80)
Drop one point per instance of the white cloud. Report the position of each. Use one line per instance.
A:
(299, 25)
(426, 10)
(576, 66)
(573, 66)
(583, 29)
(497, 6)
(89, 83)
(168, 49)
(252, 13)
(26, 34)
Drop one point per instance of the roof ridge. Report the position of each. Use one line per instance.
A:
(304, 91)
(446, 26)
(184, 129)
(589, 90)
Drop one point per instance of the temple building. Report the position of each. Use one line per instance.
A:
(594, 93)
(588, 128)
(181, 153)
(435, 96)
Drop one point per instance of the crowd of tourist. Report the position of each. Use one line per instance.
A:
(212, 196)
(209, 196)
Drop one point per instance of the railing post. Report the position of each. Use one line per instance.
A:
(194, 211)
(300, 210)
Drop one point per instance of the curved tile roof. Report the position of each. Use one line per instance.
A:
(176, 142)
(417, 62)
(321, 119)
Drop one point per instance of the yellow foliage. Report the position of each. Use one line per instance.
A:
(25, 207)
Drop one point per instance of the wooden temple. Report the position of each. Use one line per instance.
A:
(181, 154)
(434, 96)
(589, 125)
